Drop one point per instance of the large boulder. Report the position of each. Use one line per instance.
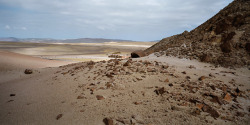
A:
(138, 54)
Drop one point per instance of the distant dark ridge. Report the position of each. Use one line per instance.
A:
(48, 40)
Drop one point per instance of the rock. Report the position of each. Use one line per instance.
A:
(191, 67)
(199, 106)
(206, 58)
(151, 70)
(127, 63)
(196, 112)
(212, 87)
(90, 63)
(59, 116)
(166, 80)
(138, 54)
(80, 97)
(109, 75)
(28, 71)
(109, 85)
(216, 99)
(99, 97)
(160, 91)
(211, 111)
(247, 47)
(202, 78)
(240, 114)
(227, 97)
(108, 121)
(137, 103)
(188, 77)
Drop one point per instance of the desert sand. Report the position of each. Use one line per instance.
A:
(150, 90)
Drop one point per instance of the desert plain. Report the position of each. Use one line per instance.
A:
(150, 90)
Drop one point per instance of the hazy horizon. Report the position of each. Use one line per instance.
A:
(141, 20)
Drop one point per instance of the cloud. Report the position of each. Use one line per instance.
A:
(7, 27)
(23, 28)
(90, 18)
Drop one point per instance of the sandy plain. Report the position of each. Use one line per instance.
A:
(146, 91)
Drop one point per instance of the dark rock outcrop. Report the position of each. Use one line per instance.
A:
(225, 36)
(138, 54)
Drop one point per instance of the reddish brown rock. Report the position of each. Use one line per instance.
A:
(108, 121)
(227, 97)
(211, 111)
(202, 78)
(28, 71)
(59, 116)
(199, 106)
(99, 97)
(137, 103)
(166, 80)
(80, 97)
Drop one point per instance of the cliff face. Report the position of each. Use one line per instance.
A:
(222, 40)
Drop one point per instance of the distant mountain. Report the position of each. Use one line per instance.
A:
(13, 39)
(48, 40)
(93, 40)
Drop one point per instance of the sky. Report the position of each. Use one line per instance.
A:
(140, 20)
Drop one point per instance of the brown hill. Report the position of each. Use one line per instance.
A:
(222, 40)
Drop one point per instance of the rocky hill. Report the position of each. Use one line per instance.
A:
(222, 40)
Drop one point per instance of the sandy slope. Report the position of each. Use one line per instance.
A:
(130, 93)
(9, 60)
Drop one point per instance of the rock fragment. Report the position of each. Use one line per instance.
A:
(108, 121)
(160, 91)
(59, 116)
(227, 97)
(28, 71)
(100, 97)
(211, 111)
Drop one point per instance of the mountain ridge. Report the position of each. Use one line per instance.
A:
(222, 40)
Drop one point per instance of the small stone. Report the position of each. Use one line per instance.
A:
(188, 77)
(99, 97)
(227, 97)
(240, 114)
(160, 91)
(80, 97)
(196, 112)
(211, 111)
(184, 72)
(108, 121)
(12, 94)
(137, 103)
(200, 106)
(166, 80)
(202, 78)
(213, 87)
(28, 71)
(170, 84)
(191, 67)
(59, 116)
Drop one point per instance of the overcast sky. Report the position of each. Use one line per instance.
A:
(142, 20)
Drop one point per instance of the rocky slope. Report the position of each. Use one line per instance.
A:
(222, 40)
(144, 91)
